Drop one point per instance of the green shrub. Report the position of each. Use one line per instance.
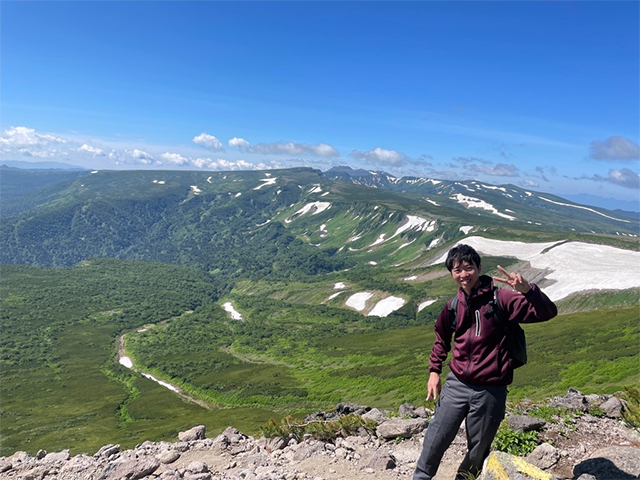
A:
(327, 431)
(631, 412)
(515, 443)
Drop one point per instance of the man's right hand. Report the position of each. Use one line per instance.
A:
(433, 386)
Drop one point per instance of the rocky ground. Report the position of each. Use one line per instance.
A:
(583, 447)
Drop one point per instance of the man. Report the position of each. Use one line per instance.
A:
(481, 366)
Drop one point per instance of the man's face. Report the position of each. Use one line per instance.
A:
(466, 275)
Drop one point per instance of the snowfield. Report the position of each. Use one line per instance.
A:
(425, 304)
(573, 266)
(386, 306)
(267, 181)
(358, 300)
(472, 202)
(234, 313)
(313, 207)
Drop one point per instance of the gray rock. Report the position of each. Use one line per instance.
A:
(613, 407)
(197, 467)
(407, 410)
(525, 423)
(307, 451)
(5, 465)
(346, 408)
(422, 412)
(611, 463)
(195, 433)
(380, 461)
(107, 451)
(544, 456)
(586, 476)
(375, 415)
(400, 428)
(573, 400)
(57, 457)
(168, 456)
(276, 443)
(130, 468)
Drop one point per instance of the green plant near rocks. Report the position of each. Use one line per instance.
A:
(631, 412)
(515, 443)
(550, 414)
(325, 430)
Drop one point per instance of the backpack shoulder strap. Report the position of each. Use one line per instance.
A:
(453, 313)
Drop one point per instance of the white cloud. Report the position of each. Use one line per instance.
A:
(498, 170)
(208, 141)
(94, 151)
(529, 183)
(285, 148)
(625, 178)
(26, 137)
(140, 155)
(381, 156)
(174, 158)
(615, 148)
(241, 143)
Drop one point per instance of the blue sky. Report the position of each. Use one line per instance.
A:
(543, 95)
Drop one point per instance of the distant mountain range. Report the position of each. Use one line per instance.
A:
(58, 218)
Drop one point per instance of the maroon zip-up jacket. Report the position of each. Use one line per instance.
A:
(480, 349)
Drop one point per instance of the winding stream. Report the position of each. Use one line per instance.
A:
(127, 362)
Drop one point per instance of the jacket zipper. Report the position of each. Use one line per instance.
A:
(477, 323)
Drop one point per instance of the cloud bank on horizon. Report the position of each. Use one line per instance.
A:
(428, 89)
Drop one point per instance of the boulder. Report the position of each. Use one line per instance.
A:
(544, 456)
(380, 461)
(406, 410)
(400, 428)
(525, 423)
(573, 400)
(195, 433)
(130, 468)
(613, 407)
(375, 415)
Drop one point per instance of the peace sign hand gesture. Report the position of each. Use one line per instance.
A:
(514, 280)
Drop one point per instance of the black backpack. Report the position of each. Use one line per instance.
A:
(513, 331)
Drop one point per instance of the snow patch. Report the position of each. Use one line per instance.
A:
(316, 189)
(574, 266)
(267, 181)
(386, 306)
(412, 277)
(159, 182)
(358, 300)
(466, 229)
(313, 207)
(235, 315)
(472, 202)
(126, 361)
(160, 382)
(425, 304)
(339, 285)
(195, 190)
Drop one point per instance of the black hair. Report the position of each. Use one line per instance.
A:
(462, 253)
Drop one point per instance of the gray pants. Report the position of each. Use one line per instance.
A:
(483, 407)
